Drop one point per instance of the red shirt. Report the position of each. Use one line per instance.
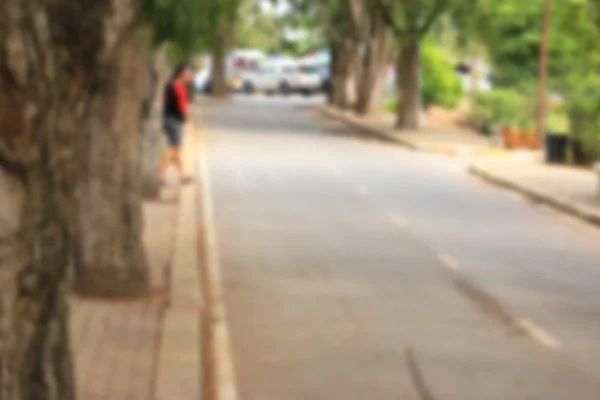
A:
(181, 95)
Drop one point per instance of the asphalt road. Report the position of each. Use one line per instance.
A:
(340, 257)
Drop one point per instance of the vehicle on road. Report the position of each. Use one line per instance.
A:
(265, 79)
(274, 75)
(307, 80)
(237, 64)
(320, 63)
(285, 77)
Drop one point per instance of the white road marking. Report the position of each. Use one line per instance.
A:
(397, 219)
(221, 355)
(448, 262)
(539, 335)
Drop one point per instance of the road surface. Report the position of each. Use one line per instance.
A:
(340, 256)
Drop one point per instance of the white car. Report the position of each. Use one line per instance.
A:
(306, 80)
(201, 80)
(282, 77)
(263, 79)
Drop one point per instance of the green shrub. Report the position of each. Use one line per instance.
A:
(441, 84)
(497, 107)
(583, 109)
(557, 119)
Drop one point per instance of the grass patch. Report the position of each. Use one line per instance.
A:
(390, 105)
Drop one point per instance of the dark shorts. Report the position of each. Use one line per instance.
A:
(174, 130)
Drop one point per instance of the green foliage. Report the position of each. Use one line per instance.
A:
(441, 84)
(557, 118)
(307, 16)
(189, 26)
(511, 32)
(497, 107)
(583, 108)
(258, 30)
(413, 19)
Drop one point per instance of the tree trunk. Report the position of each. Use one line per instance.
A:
(51, 56)
(370, 87)
(333, 68)
(355, 72)
(219, 67)
(342, 77)
(408, 86)
(109, 257)
(152, 137)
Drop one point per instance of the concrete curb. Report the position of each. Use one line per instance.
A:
(388, 135)
(564, 205)
(179, 365)
(218, 360)
(366, 128)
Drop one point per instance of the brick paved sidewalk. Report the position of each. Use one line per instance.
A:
(115, 344)
(573, 190)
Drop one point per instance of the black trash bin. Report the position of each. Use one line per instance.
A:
(556, 148)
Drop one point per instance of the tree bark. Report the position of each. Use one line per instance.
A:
(371, 84)
(342, 75)
(333, 66)
(152, 138)
(51, 58)
(109, 256)
(408, 86)
(219, 66)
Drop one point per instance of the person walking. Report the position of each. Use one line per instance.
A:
(175, 112)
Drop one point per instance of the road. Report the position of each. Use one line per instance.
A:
(342, 260)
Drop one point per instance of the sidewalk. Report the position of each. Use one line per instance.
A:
(430, 138)
(571, 190)
(148, 348)
(115, 343)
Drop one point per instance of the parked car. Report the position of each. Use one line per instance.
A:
(202, 81)
(274, 76)
(320, 63)
(285, 78)
(306, 80)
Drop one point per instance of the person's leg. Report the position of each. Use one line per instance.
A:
(178, 161)
(172, 131)
(167, 158)
(178, 154)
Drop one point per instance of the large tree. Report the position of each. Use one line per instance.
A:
(52, 57)
(410, 21)
(222, 17)
(358, 38)
(343, 24)
(373, 61)
(109, 257)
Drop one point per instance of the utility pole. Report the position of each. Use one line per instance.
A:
(543, 69)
